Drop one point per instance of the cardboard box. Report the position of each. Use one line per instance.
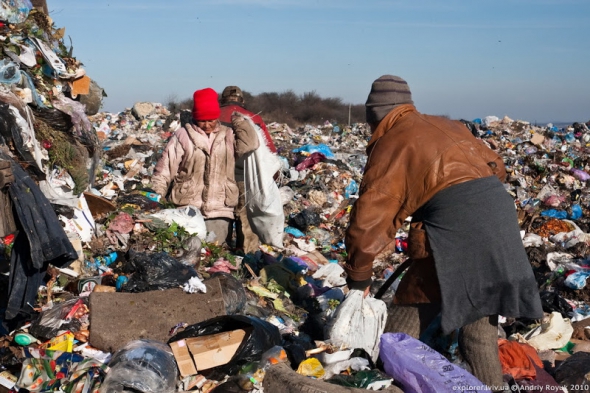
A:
(186, 365)
(207, 351)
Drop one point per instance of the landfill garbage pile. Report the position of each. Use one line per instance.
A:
(146, 302)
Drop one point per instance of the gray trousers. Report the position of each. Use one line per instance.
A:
(221, 227)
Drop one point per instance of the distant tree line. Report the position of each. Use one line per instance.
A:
(295, 110)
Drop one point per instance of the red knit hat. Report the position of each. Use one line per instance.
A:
(205, 106)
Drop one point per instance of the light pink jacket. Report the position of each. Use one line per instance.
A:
(197, 170)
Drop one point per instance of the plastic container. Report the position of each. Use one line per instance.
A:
(142, 366)
(24, 339)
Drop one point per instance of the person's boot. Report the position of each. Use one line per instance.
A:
(478, 343)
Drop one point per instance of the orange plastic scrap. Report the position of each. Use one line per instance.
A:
(518, 359)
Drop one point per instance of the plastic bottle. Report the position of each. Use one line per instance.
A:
(151, 195)
(24, 339)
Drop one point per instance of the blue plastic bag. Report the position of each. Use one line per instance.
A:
(576, 212)
(294, 231)
(321, 148)
(420, 369)
(560, 214)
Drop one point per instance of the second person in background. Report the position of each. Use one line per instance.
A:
(232, 100)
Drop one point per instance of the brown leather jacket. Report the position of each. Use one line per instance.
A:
(412, 156)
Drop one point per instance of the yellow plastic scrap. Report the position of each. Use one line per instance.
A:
(64, 342)
(311, 368)
(279, 306)
(262, 291)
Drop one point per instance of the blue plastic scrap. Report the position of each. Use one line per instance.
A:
(351, 189)
(310, 149)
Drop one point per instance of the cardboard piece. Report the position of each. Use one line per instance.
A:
(215, 349)
(205, 352)
(98, 205)
(80, 86)
(186, 365)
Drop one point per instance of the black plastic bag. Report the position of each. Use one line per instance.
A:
(156, 271)
(53, 321)
(551, 302)
(140, 200)
(260, 337)
(234, 294)
(305, 219)
(574, 372)
(295, 347)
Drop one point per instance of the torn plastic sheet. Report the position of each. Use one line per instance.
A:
(58, 188)
(28, 135)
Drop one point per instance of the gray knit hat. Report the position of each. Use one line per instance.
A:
(386, 92)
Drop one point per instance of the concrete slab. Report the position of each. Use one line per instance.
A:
(117, 318)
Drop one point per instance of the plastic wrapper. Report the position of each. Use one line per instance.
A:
(260, 337)
(420, 369)
(355, 364)
(157, 271)
(311, 368)
(142, 366)
(57, 319)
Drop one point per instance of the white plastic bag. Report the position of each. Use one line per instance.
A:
(263, 199)
(188, 217)
(358, 323)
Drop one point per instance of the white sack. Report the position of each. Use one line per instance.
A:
(263, 199)
(358, 323)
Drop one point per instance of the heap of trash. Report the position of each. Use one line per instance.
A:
(119, 290)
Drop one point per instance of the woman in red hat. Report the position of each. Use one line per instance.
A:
(198, 163)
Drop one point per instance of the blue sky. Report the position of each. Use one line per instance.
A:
(527, 59)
